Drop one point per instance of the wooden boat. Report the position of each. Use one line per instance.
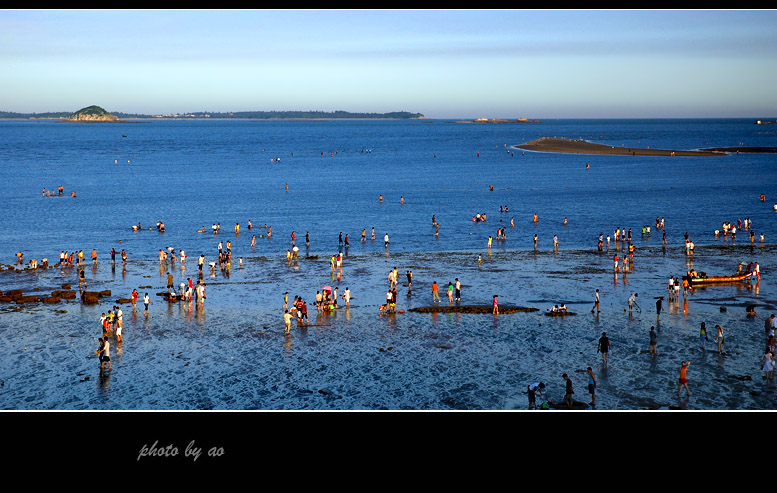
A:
(704, 281)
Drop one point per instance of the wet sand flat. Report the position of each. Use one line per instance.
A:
(570, 146)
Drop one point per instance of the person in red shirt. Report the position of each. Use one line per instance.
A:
(435, 292)
(683, 378)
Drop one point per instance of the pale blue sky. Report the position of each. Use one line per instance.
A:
(442, 63)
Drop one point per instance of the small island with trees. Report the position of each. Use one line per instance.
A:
(92, 114)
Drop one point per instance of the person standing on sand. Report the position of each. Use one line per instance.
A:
(592, 386)
(683, 378)
(287, 322)
(604, 347)
(653, 341)
(767, 364)
(703, 335)
(720, 339)
(105, 354)
(569, 391)
(119, 324)
(659, 308)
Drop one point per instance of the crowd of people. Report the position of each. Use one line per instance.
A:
(326, 299)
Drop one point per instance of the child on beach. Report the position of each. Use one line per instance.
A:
(720, 339)
(683, 379)
(287, 322)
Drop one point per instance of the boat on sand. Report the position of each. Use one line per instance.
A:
(708, 280)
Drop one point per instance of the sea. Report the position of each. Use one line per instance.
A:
(326, 178)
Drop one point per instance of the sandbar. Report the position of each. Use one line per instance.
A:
(569, 146)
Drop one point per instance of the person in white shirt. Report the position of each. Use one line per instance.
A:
(119, 324)
(105, 354)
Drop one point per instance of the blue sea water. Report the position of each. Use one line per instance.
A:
(232, 353)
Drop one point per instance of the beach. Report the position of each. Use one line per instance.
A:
(231, 352)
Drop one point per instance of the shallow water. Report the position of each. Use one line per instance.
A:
(232, 353)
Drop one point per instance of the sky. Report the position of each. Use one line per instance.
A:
(442, 63)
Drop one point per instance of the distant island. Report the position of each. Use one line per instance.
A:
(494, 120)
(98, 114)
(92, 114)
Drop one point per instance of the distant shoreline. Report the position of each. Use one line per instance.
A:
(151, 119)
(570, 146)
